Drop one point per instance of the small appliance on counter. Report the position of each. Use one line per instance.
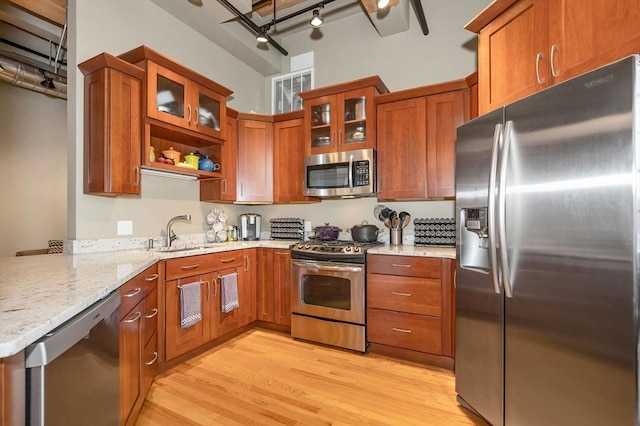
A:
(250, 226)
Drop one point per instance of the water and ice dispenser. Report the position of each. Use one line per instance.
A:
(474, 239)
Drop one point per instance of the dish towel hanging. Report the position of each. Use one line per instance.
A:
(190, 303)
(229, 294)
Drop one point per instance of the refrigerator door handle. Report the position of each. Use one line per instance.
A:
(491, 210)
(502, 210)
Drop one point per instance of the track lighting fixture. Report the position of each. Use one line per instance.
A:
(262, 36)
(317, 20)
(383, 3)
(47, 82)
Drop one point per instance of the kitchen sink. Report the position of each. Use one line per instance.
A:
(175, 249)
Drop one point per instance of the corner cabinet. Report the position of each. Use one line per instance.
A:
(341, 117)
(274, 287)
(411, 308)
(255, 159)
(183, 110)
(112, 126)
(416, 141)
(527, 45)
(288, 159)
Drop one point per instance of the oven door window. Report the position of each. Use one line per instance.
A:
(326, 291)
(326, 176)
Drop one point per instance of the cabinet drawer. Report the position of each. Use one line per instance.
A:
(150, 277)
(408, 331)
(149, 364)
(131, 293)
(408, 266)
(193, 265)
(405, 294)
(150, 315)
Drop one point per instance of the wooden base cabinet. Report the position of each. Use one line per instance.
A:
(206, 270)
(138, 336)
(274, 286)
(410, 308)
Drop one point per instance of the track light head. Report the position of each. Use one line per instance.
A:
(47, 82)
(383, 3)
(316, 20)
(262, 35)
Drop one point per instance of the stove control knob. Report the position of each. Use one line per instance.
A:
(356, 249)
(300, 245)
(347, 249)
(307, 246)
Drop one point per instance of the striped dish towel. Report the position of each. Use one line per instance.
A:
(190, 303)
(229, 294)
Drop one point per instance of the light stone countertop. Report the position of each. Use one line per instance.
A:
(39, 293)
(406, 250)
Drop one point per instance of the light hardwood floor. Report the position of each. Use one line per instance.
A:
(266, 378)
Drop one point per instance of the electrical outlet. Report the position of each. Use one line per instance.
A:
(125, 227)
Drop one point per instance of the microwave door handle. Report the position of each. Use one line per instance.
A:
(351, 171)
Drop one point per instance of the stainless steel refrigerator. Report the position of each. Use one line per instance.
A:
(547, 200)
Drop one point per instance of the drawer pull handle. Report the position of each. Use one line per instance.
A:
(132, 293)
(155, 358)
(227, 260)
(134, 319)
(281, 253)
(395, 293)
(190, 267)
(153, 313)
(152, 277)
(401, 330)
(400, 265)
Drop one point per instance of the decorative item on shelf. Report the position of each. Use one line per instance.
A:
(165, 160)
(205, 164)
(152, 154)
(185, 165)
(435, 232)
(192, 160)
(357, 134)
(287, 228)
(172, 154)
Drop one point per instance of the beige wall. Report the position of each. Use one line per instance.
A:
(33, 153)
(349, 49)
(116, 27)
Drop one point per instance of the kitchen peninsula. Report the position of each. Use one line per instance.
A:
(40, 293)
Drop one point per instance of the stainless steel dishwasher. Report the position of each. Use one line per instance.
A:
(72, 372)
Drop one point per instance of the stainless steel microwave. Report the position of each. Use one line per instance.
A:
(341, 174)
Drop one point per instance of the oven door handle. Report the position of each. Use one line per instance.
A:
(324, 267)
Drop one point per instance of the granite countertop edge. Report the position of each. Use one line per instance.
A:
(40, 293)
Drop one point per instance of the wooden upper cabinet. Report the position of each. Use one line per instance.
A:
(402, 149)
(255, 159)
(224, 189)
(512, 55)
(288, 159)
(341, 117)
(527, 45)
(112, 126)
(183, 110)
(586, 34)
(416, 140)
(445, 112)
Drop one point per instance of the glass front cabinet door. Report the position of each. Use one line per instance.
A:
(173, 98)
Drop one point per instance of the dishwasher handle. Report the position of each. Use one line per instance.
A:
(55, 343)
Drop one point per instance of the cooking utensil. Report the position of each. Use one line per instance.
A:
(377, 210)
(387, 222)
(364, 233)
(395, 223)
(327, 232)
(405, 218)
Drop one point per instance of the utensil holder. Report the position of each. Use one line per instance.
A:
(395, 236)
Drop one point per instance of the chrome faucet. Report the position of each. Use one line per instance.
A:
(170, 234)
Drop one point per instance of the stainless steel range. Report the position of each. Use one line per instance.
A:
(329, 292)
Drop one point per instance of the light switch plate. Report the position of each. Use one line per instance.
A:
(125, 227)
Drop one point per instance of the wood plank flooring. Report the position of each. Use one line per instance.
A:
(266, 378)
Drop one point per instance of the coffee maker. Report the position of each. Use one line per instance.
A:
(250, 226)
